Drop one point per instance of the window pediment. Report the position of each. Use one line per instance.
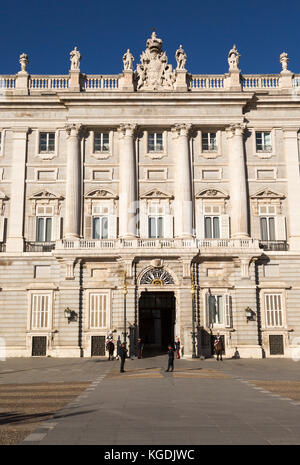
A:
(41, 195)
(212, 193)
(101, 194)
(156, 194)
(267, 193)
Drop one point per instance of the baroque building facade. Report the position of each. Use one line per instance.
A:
(154, 204)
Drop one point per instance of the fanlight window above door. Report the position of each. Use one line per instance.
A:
(157, 276)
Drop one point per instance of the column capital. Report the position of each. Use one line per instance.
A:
(74, 129)
(235, 129)
(181, 129)
(127, 129)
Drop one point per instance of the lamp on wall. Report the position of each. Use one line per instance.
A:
(250, 314)
(70, 314)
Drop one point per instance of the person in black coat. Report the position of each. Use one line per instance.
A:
(170, 359)
(123, 355)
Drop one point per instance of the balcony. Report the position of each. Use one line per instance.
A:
(274, 246)
(39, 246)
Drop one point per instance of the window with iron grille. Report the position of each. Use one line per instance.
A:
(47, 142)
(101, 142)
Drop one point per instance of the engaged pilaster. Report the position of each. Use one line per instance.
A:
(73, 207)
(183, 211)
(238, 190)
(15, 239)
(127, 183)
(290, 138)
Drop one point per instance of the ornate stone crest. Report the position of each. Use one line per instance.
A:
(157, 276)
(154, 72)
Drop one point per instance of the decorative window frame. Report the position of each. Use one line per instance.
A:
(87, 327)
(156, 155)
(223, 292)
(273, 290)
(39, 291)
(47, 155)
(218, 152)
(103, 197)
(266, 197)
(102, 155)
(46, 198)
(212, 196)
(265, 155)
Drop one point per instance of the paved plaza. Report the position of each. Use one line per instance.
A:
(88, 401)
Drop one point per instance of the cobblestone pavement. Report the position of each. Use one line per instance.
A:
(242, 401)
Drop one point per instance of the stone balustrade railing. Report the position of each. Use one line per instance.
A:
(111, 82)
(112, 244)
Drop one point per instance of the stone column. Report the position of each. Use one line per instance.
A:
(290, 140)
(238, 191)
(127, 183)
(183, 205)
(73, 187)
(15, 237)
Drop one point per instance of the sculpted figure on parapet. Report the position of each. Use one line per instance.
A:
(180, 58)
(128, 60)
(75, 58)
(284, 60)
(24, 61)
(233, 58)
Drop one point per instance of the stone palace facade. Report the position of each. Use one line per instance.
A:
(153, 203)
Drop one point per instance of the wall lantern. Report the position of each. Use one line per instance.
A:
(250, 314)
(70, 314)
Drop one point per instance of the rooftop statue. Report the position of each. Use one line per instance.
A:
(154, 72)
(284, 60)
(24, 62)
(75, 58)
(128, 60)
(233, 58)
(180, 58)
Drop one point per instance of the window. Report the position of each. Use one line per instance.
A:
(40, 309)
(101, 142)
(267, 228)
(98, 310)
(273, 309)
(209, 142)
(44, 223)
(218, 309)
(263, 142)
(100, 227)
(155, 142)
(211, 227)
(47, 142)
(156, 221)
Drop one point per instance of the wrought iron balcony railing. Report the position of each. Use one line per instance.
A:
(274, 246)
(39, 246)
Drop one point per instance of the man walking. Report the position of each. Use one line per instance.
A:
(123, 355)
(170, 358)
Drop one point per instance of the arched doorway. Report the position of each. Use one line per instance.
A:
(157, 313)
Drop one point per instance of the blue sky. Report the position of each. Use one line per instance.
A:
(47, 31)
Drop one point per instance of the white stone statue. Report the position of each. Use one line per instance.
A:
(75, 58)
(180, 58)
(24, 62)
(233, 58)
(284, 60)
(128, 60)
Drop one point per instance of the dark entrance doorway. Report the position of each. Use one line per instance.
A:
(39, 346)
(98, 346)
(156, 321)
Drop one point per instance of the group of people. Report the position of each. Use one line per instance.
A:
(173, 349)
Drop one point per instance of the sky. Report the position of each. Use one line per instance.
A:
(103, 30)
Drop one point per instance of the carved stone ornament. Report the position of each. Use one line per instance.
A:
(24, 62)
(266, 192)
(156, 194)
(284, 60)
(74, 130)
(128, 60)
(157, 276)
(101, 194)
(154, 72)
(211, 193)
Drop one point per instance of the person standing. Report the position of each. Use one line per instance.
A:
(123, 355)
(177, 347)
(140, 346)
(170, 358)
